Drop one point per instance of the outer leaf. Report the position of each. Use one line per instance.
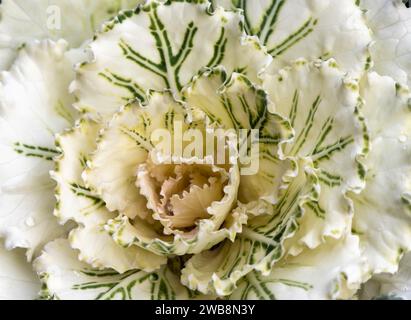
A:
(390, 22)
(307, 28)
(74, 20)
(17, 279)
(382, 211)
(260, 244)
(162, 46)
(334, 270)
(30, 114)
(64, 277)
(323, 107)
(390, 286)
(77, 202)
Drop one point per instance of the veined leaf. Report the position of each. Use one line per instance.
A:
(259, 245)
(162, 46)
(235, 103)
(30, 114)
(79, 203)
(334, 270)
(291, 29)
(324, 109)
(66, 278)
(382, 216)
(390, 51)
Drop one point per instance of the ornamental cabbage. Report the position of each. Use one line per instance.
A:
(224, 149)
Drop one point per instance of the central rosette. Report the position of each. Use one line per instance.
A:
(181, 194)
(177, 174)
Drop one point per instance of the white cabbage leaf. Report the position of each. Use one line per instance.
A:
(390, 286)
(64, 277)
(390, 23)
(334, 270)
(382, 216)
(30, 115)
(78, 203)
(18, 281)
(22, 21)
(321, 104)
(158, 47)
(291, 29)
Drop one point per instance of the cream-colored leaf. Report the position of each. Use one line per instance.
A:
(334, 270)
(162, 46)
(17, 279)
(390, 23)
(34, 105)
(382, 216)
(66, 278)
(23, 21)
(311, 29)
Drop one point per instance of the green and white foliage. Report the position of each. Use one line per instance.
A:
(322, 106)
(322, 84)
(78, 203)
(291, 29)
(211, 89)
(382, 211)
(30, 114)
(66, 278)
(75, 21)
(162, 46)
(334, 270)
(390, 22)
(234, 102)
(260, 244)
(324, 109)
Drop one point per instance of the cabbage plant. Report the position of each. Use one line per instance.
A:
(111, 189)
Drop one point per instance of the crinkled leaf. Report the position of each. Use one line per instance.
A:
(79, 203)
(382, 216)
(35, 105)
(261, 242)
(73, 20)
(390, 23)
(65, 277)
(291, 29)
(323, 107)
(390, 286)
(334, 270)
(236, 103)
(159, 46)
